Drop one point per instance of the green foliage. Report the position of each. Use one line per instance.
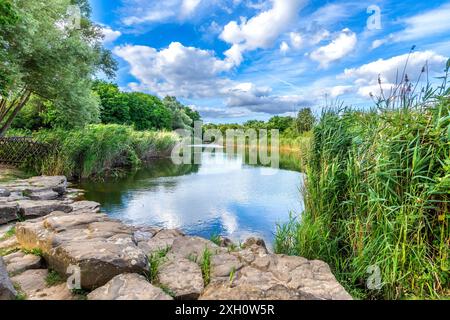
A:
(100, 150)
(378, 195)
(52, 62)
(305, 120)
(205, 265)
(21, 295)
(53, 278)
(35, 251)
(215, 238)
(180, 119)
(154, 262)
(10, 233)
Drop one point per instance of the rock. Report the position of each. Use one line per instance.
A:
(183, 278)
(193, 248)
(58, 292)
(162, 240)
(85, 206)
(57, 184)
(7, 291)
(8, 212)
(253, 241)
(275, 277)
(223, 265)
(44, 195)
(19, 262)
(30, 208)
(128, 287)
(101, 247)
(225, 242)
(32, 283)
(4, 192)
(9, 243)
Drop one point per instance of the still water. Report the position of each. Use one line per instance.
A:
(223, 195)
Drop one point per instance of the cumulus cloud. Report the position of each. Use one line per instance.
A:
(366, 76)
(284, 47)
(176, 70)
(262, 30)
(343, 44)
(110, 35)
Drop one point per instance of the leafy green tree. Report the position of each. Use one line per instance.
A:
(43, 57)
(115, 106)
(180, 120)
(280, 123)
(148, 112)
(305, 120)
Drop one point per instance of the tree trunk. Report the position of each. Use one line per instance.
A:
(15, 110)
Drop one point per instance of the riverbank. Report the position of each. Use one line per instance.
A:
(59, 237)
(99, 150)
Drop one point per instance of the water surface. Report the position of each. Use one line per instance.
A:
(223, 196)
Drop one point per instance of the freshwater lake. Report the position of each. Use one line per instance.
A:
(221, 196)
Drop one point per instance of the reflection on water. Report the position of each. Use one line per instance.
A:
(223, 195)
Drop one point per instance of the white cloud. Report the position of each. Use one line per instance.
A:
(137, 12)
(188, 7)
(341, 46)
(284, 47)
(262, 30)
(430, 23)
(176, 70)
(110, 35)
(211, 112)
(296, 39)
(366, 76)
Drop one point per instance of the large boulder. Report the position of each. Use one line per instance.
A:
(8, 212)
(85, 206)
(56, 184)
(268, 276)
(7, 291)
(19, 262)
(182, 277)
(33, 209)
(99, 246)
(128, 287)
(163, 239)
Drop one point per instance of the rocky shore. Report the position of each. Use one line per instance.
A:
(54, 246)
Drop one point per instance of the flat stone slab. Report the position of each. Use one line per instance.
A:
(128, 287)
(99, 246)
(31, 208)
(7, 291)
(57, 184)
(161, 241)
(85, 206)
(19, 262)
(8, 212)
(44, 195)
(183, 278)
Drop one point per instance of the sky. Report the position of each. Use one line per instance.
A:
(235, 60)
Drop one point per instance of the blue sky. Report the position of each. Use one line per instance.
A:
(235, 60)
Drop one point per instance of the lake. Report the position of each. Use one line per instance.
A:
(221, 196)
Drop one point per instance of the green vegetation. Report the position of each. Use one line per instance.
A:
(378, 195)
(205, 265)
(99, 150)
(53, 278)
(155, 260)
(215, 238)
(20, 294)
(11, 232)
(6, 251)
(35, 251)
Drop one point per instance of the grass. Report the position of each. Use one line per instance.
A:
(377, 195)
(20, 294)
(35, 251)
(99, 150)
(155, 260)
(9, 234)
(205, 265)
(6, 251)
(215, 238)
(53, 278)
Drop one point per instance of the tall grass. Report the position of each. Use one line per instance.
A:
(100, 150)
(378, 194)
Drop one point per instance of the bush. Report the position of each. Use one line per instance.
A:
(100, 150)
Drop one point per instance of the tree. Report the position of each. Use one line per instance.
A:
(45, 58)
(305, 120)
(115, 106)
(180, 120)
(280, 123)
(147, 112)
